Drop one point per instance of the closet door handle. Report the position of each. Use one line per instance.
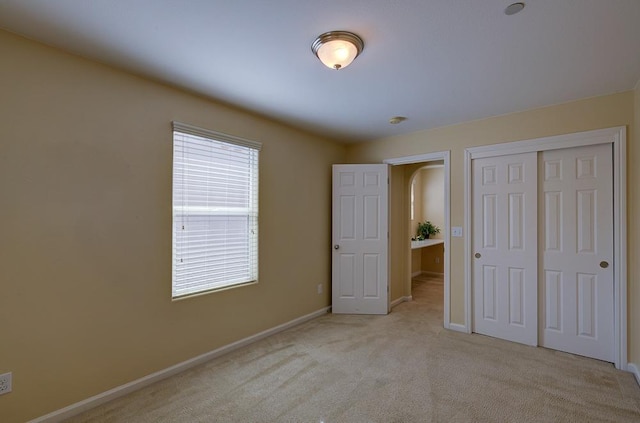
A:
(477, 255)
(604, 264)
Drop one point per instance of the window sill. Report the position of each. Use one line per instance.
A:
(212, 291)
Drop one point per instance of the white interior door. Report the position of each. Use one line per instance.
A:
(360, 239)
(576, 219)
(504, 285)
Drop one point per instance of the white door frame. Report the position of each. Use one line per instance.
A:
(616, 136)
(445, 157)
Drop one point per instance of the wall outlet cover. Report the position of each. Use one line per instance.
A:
(456, 231)
(5, 383)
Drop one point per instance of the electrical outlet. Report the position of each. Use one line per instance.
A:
(5, 383)
(319, 288)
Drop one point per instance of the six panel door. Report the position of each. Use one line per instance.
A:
(576, 228)
(360, 239)
(504, 264)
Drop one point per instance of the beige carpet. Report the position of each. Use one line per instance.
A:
(398, 368)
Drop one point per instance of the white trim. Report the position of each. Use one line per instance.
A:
(457, 327)
(620, 245)
(577, 139)
(401, 300)
(467, 242)
(218, 136)
(633, 368)
(616, 136)
(419, 158)
(445, 156)
(127, 388)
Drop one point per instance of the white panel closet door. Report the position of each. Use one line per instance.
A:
(360, 239)
(505, 247)
(576, 237)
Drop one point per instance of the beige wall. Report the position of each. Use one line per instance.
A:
(416, 261)
(427, 259)
(85, 257)
(429, 199)
(433, 259)
(433, 211)
(433, 197)
(399, 236)
(583, 115)
(429, 196)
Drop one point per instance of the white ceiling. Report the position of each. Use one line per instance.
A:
(437, 62)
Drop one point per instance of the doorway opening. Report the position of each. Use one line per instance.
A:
(401, 228)
(426, 228)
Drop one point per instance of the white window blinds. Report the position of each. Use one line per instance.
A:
(215, 210)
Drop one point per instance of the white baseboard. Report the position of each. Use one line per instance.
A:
(633, 368)
(401, 300)
(127, 388)
(424, 272)
(457, 327)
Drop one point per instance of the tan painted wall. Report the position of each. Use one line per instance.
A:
(399, 239)
(583, 115)
(433, 211)
(85, 257)
(429, 199)
(424, 259)
(433, 259)
(433, 197)
(416, 261)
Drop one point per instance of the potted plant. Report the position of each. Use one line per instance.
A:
(426, 229)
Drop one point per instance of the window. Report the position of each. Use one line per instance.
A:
(215, 210)
(413, 198)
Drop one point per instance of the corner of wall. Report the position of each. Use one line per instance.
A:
(635, 369)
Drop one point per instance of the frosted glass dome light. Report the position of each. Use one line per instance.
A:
(337, 49)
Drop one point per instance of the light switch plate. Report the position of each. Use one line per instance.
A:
(456, 231)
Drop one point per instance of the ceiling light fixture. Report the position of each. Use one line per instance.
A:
(513, 8)
(337, 49)
(397, 119)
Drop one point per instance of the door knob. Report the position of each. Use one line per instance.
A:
(478, 255)
(604, 264)
(335, 247)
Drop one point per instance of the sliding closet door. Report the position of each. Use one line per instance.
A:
(576, 244)
(504, 287)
